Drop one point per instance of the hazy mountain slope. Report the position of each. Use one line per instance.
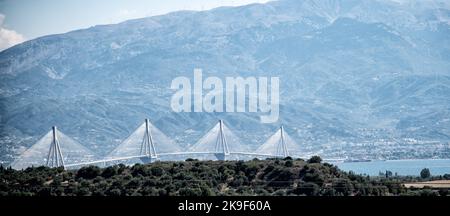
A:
(345, 66)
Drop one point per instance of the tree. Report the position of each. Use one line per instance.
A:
(89, 172)
(447, 176)
(289, 163)
(425, 173)
(388, 173)
(139, 169)
(315, 159)
(157, 171)
(109, 172)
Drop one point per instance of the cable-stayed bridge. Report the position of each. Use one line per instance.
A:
(148, 144)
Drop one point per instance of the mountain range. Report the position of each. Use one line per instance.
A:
(351, 72)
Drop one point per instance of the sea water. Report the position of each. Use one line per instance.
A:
(401, 167)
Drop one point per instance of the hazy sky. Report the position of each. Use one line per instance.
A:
(22, 20)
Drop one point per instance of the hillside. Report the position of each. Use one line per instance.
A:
(205, 178)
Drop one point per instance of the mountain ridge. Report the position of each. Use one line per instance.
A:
(342, 66)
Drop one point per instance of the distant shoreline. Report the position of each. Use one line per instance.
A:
(375, 160)
(402, 167)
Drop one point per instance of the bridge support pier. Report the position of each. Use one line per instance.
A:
(148, 146)
(221, 144)
(147, 160)
(282, 148)
(221, 156)
(55, 157)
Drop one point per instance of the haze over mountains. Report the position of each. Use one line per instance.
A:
(351, 72)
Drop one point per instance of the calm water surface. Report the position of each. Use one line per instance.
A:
(401, 167)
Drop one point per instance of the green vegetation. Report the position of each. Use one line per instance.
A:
(205, 178)
(315, 159)
(425, 173)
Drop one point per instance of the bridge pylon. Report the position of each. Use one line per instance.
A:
(55, 157)
(282, 147)
(222, 150)
(148, 146)
(280, 144)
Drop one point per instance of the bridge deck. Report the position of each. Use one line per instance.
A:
(167, 154)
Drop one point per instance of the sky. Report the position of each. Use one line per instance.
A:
(22, 20)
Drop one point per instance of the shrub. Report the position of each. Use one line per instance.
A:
(89, 172)
(425, 173)
(109, 172)
(289, 163)
(157, 171)
(308, 188)
(315, 159)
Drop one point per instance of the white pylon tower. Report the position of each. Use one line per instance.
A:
(55, 157)
(221, 144)
(282, 147)
(147, 145)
